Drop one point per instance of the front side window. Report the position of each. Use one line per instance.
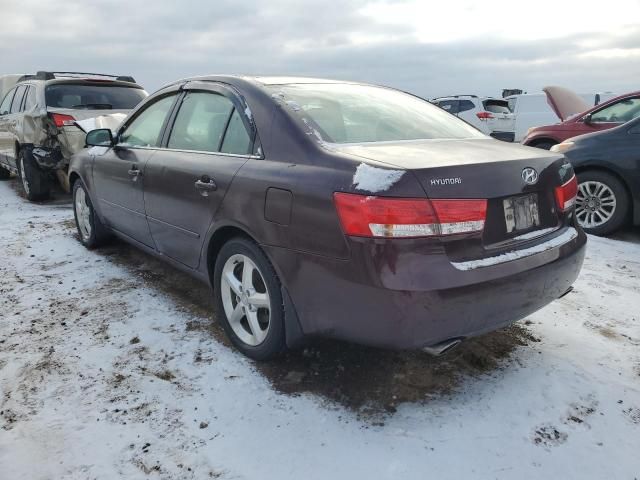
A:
(346, 113)
(201, 122)
(145, 129)
(17, 99)
(5, 106)
(620, 112)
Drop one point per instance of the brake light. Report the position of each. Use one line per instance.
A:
(62, 120)
(383, 217)
(484, 115)
(566, 194)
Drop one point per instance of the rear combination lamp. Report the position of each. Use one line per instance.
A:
(61, 120)
(566, 194)
(384, 217)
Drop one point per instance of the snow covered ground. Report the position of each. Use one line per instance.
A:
(110, 367)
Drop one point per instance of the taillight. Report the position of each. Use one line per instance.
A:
(62, 120)
(484, 115)
(566, 194)
(368, 216)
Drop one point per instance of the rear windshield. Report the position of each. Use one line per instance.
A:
(344, 113)
(496, 106)
(93, 97)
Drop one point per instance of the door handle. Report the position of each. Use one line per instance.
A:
(205, 185)
(134, 172)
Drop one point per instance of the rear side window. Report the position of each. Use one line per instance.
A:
(5, 106)
(450, 106)
(145, 129)
(30, 100)
(92, 97)
(17, 99)
(201, 122)
(466, 105)
(236, 139)
(496, 106)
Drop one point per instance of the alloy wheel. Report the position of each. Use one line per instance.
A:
(245, 299)
(595, 204)
(23, 176)
(83, 214)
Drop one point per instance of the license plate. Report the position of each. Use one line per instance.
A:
(521, 213)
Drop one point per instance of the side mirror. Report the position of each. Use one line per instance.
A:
(101, 137)
(587, 119)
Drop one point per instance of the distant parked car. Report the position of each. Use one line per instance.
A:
(489, 115)
(531, 110)
(608, 167)
(336, 209)
(38, 130)
(609, 114)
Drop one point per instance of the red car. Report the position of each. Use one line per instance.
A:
(606, 115)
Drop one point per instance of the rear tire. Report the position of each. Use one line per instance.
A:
(249, 300)
(35, 182)
(91, 231)
(602, 205)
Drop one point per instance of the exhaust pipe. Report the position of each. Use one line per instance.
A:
(442, 347)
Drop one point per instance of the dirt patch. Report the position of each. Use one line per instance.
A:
(549, 436)
(368, 380)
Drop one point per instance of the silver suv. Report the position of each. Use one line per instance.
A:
(38, 129)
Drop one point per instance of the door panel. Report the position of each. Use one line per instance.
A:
(179, 211)
(186, 183)
(119, 190)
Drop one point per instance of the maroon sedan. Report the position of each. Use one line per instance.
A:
(609, 114)
(337, 209)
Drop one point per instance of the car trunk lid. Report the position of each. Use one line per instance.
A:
(483, 169)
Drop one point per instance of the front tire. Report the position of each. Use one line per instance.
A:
(35, 182)
(602, 204)
(91, 231)
(249, 300)
(544, 145)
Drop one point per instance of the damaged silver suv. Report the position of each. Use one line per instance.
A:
(41, 120)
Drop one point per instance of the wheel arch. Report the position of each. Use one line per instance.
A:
(294, 335)
(542, 139)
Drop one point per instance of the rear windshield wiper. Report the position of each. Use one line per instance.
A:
(94, 106)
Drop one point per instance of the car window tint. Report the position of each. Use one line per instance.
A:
(5, 106)
(465, 105)
(347, 113)
(200, 123)
(30, 101)
(450, 106)
(17, 99)
(236, 139)
(619, 112)
(496, 106)
(93, 97)
(145, 129)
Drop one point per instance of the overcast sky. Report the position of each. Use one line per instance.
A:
(457, 46)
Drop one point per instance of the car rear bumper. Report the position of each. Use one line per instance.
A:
(402, 295)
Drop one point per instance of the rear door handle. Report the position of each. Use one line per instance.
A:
(134, 172)
(205, 185)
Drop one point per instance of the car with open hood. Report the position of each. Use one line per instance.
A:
(607, 164)
(578, 118)
(41, 119)
(337, 209)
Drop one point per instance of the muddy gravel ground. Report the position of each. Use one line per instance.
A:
(112, 364)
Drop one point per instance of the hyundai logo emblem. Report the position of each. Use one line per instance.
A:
(530, 176)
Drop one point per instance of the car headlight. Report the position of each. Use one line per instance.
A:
(562, 147)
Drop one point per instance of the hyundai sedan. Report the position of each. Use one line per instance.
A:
(335, 209)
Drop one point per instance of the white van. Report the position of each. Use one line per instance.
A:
(533, 110)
